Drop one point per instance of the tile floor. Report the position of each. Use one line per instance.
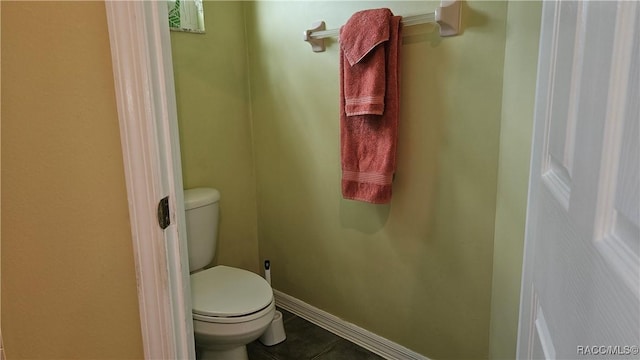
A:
(308, 341)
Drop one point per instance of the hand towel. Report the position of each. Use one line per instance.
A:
(368, 141)
(365, 79)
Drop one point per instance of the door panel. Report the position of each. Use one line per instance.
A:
(581, 277)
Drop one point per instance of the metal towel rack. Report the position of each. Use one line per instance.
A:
(447, 16)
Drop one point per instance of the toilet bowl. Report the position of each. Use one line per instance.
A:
(231, 307)
(227, 340)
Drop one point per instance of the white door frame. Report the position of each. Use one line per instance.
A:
(145, 95)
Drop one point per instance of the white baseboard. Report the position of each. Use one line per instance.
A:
(357, 335)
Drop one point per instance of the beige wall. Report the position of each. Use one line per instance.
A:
(521, 59)
(212, 88)
(68, 280)
(417, 271)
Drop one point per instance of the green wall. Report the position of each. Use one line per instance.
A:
(520, 65)
(258, 118)
(212, 90)
(417, 271)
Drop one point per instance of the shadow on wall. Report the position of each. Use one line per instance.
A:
(420, 132)
(421, 129)
(364, 217)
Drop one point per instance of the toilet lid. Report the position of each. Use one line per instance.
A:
(224, 291)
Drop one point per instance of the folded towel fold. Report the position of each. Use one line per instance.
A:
(368, 139)
(365, 78)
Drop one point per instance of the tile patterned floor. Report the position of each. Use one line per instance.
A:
(308, 341)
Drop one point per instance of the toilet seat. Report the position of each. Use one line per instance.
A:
(227, 294)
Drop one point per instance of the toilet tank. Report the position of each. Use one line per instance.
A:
(201, 213)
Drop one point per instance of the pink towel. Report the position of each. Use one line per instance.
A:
(369, 140)
(364, 82)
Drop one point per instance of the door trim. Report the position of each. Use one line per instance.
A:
(528, 298)
(145, 96)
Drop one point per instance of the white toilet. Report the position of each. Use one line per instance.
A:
(231, 307)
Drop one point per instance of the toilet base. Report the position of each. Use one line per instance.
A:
(227, 340)
(238, 353)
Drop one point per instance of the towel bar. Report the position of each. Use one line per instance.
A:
(447, 16)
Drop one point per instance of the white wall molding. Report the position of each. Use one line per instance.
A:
(359, 336)
(140, 51)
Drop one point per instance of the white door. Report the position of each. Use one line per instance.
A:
(581, 280)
